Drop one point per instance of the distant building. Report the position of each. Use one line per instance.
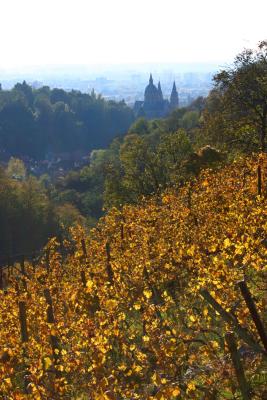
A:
(154, 105)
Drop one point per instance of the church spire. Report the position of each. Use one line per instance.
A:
(174, 100)
(160, 92)
(150, 80)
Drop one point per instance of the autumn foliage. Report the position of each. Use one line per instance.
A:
(129, 319)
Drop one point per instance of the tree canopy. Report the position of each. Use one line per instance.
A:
(243, 88)
(37, 122)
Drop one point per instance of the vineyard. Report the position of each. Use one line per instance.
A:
(164, 300)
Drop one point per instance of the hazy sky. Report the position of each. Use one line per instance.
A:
(127, 31)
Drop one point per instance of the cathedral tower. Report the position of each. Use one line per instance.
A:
(152, 102)
(174, 100)
(151, 93)
(160, 92)
(154, 105)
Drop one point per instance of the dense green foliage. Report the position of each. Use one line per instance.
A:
(34, 123)
(28, 214)
(152, 156)
(235, 117)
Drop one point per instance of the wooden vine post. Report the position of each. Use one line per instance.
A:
(242, 333)
(83, 276)
(1, 278)
(93, 304)
(122, 231)
(47, 260)
(23, 272)
(55, 344)
(108, 265)
(23, 322)
(156, 300)
(24, 339)
(51, 320)
(253, 312)
(240, 374)
(156, 297)
(259, 180)
(237, 328)
(61, 246)
(189, 198)
(84, 248)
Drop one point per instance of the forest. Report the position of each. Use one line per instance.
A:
(37, 122)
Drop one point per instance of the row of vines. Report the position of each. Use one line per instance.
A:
(126, 315)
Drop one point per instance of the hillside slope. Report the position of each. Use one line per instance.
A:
(122, 317)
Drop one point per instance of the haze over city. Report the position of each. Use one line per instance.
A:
(35, 32)
(112, 46)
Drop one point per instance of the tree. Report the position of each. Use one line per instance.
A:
(68, 215)
(16, 169)
(140, 127)
(26, 90)
(244, 90)
(27, 216)
(174, 149)
(145, 165)
(190, 120)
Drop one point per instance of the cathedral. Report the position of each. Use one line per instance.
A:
(154, 105)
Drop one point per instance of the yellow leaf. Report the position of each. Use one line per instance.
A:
(176, 392)
(227, 243)
(122, 367)
(111, 304)
(214, 344)
(53, 332)
(121, 316)
(73, 297)
(47, 363)
(8, 381)
(137, 306)
(89, 284)
(147, 293)
(205, 311)
(191, 387)
(191, 250)
(129, 373)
